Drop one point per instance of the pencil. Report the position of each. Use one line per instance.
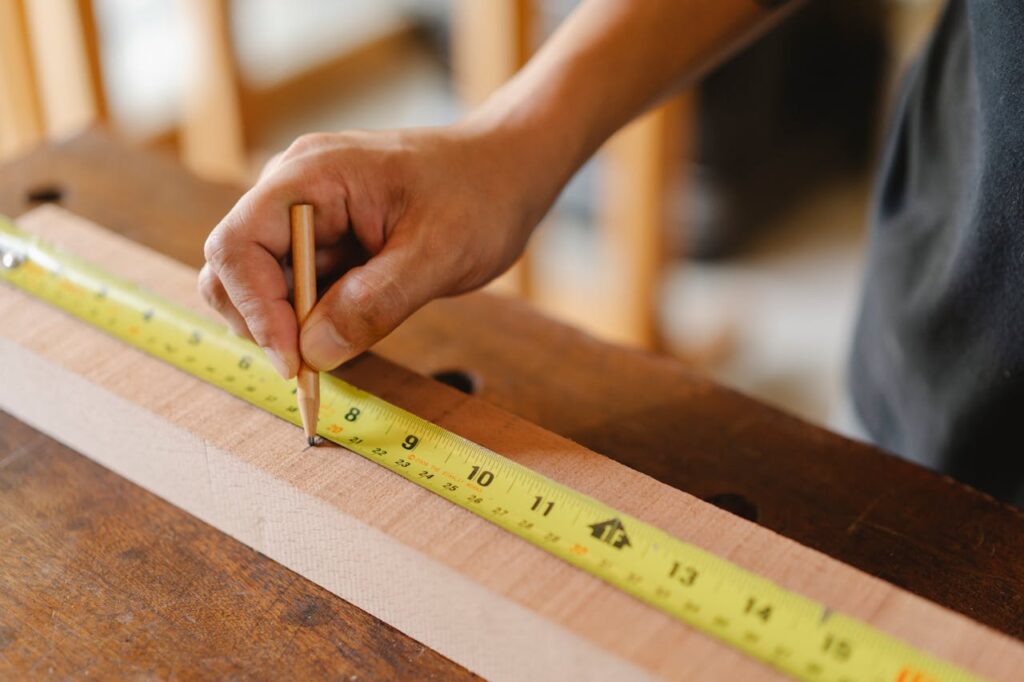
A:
(304, 272)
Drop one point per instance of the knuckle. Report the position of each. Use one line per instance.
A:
(209, 287)
(271, 165)
(375, 304)
(362, 299)
(214, 250)
(250, 308)
(306, 143)
(257, 319)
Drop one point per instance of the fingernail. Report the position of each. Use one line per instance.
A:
(278, 362)
(323, 348)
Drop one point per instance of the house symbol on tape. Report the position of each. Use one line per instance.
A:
(611, 532)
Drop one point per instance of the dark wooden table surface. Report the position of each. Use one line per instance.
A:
(98, 576)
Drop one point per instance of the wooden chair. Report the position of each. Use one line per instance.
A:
(213, 140)
(642, 165)
(50, 81)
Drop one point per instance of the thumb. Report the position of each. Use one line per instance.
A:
(366, 304)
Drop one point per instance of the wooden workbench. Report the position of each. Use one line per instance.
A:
(97, 574)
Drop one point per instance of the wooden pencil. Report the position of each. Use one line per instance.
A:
(304, 271)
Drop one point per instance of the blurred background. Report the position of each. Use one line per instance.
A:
(725, 228)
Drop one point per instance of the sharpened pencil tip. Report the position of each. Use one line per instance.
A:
(311, 440)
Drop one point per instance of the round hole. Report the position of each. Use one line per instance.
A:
(737, 504)
(45, 194)
(457, 379)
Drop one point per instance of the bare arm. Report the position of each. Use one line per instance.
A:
(610, 61)
(436, 212)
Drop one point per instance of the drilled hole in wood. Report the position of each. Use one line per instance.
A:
(457, 379)
(45, 194)
(737, 504)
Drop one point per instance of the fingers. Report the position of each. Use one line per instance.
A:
(244, 280)
(213, 291)
(367, 304)
(329, 260)
(272, 164)
(251, 280)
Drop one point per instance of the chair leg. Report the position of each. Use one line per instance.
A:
(91, 45)
(212, 135)
(639, 165)
(21, 121)
(66, 64)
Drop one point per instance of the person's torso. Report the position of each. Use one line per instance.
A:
(937, 370)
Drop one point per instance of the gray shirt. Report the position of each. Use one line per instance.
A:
(937, 367)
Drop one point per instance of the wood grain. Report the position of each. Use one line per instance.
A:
(271, 624)
(85, 590)
(294, 506)
(924, 532)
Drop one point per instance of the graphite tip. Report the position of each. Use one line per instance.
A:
(311, 440)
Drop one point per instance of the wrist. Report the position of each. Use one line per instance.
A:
(536, 148)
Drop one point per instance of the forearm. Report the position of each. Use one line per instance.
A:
(607, 63)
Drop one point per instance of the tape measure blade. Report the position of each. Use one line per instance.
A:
(781, 628)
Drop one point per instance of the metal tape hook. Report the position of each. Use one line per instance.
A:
(9, 260)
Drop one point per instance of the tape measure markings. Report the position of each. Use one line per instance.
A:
(784, 629)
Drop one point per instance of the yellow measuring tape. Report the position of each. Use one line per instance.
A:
(785, 630)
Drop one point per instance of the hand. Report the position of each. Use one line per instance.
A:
(401, 218)
(405, 217)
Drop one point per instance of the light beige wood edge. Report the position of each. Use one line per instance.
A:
(459, 585)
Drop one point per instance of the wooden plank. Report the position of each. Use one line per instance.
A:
(98, 575)
(21, 124)
(321, 511)
(107, 577)
(847, 499)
